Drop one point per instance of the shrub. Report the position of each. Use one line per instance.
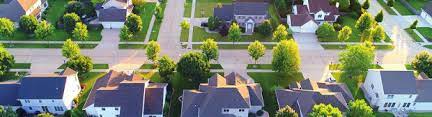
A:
(414, 25)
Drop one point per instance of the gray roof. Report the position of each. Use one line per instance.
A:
(250, 8)
(424, 91)
(226, 12)
(154, 98)
(112, 15)
(428, 8)
(9, 94)
(14, 10)
(398, 82)
(42, 87)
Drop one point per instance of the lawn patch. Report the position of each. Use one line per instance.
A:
(353, 84)
(401, 8)
(95, 66)
(231, 46)
(55, 10)
(428, 46)
(418, 114)
(417, 4)
(148, 66)
(259, 66)
(426, 32)
(215, 66)
(184, 36)
(409, 67)
(156, 27)
(341, 47)
(187, 8)
(132, 46)
(199, 35)
(339, 67)
(386, 8)
(12, 76)
(204, 8)
(413, 35)
(21, 66)
(383, 114)
(87, 81)
(58, 35)
(146, 14)
(23, 45)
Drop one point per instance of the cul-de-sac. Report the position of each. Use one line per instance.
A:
(215, 58)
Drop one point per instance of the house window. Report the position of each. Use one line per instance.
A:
(414, 104)
(226, 110)
(52, 100)
(30, 108)
(45, 108)
(376, 95)
(410, 96)
(390, 96)
(40, 101)
(393, 104)
(117, 115)
(115, 108)
(103, 109)
(385, 104)
(27, 101)
(241, 110)
(408, 104)
(404, 105)
(372, 86)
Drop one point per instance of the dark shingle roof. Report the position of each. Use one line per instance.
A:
(398, 82)
(318, 5)
(300, 19)
(428, 8)
(14, 10)
(154, 98)
(250, 8)
(226, 12)
(42, 87)
(9, 94)
(112, 15)
(424, 91)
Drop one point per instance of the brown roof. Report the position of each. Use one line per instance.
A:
(318, 5)
(251, 0)
(26, 4)
(300, 19)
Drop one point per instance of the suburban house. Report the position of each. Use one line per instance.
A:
(426, 12)
(398, 90)
(306, 18)
(248, 13)
(118, 94)
(14, 9)
(113, 13)
(53, 93)
(229, 96)
(302, 96)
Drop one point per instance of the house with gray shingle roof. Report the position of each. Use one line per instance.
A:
(14, 9)
(248, 13)
(118, 94)
(229, 96)
(113, 13)
(426, 12)
(390, 90)
(312, 13)
(53, 93)
(302, 96)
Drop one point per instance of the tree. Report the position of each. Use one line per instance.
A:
(138, 3)
(185, 25)
(281, 6)
(378, 33)
(28, 23)
(43, 30)
(125, 34)
(356, 6)
(357, 59)
(234, 33)
(210, 49)
(213, 22)
(153, 50)
(6, 61)
(366, 21)
(344, 5)
(7, 112)
(80, 32)
(414, 25)
(390, 3)
(265, 28)
(75, 7)
(159, 12)
(322, 110)
(345, 33)
(367, 35)
(70, 49)
(7, 28)
(286, 57)
(166, 67)
(423, 63)
(134, 23)
(70, 20)
(256, 50)
(366, 4)
(325, 32)
(280, 33)
(45, 115)
(193, 66)
(359, 108)
(380, 16)
(286, 112)
(82, 64)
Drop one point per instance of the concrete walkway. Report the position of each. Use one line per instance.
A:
(150, 29)
(190, 21)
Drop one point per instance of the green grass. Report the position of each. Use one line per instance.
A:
(215, 66)
(12, 76)
(55, 10)
(274, 19)
(340, 47)
(132, 46)
(156, 27)
(352, 83)
(417, 4)
(428, 46)
(383, 114)
(269, 83)
(386, 8)
(148, 66)
(413, 35)
(409, 67)
(146, 15)
(259, 66)
(232, 47)
(58, 35)
(339, 67)
(184, 36)
(199, 35)
(21, 66)
(426, 32)
(401, 8)
(414, 114)
(95, 66)
(204, 8)
(87, 80)
(20, 45)
(187, 8)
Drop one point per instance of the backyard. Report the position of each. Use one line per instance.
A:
(204, 8)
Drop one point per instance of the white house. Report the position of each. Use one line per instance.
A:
(53, 93)
(14, 9)
(118, 94)
(229, 96)
(306, 18)
(426, 12)
(396, 90)
(113, 13)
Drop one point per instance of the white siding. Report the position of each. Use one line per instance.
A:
(34, 105)
(71, 91)
(254, 109)
(112, 24)
(426, 16)
(108, 112)
(422, 107)
(91, 110)
(237, 112)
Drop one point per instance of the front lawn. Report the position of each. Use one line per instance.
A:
(146, 14)
(199, 35)
(157, 24)
(95, 66)
(22, 45)
(269, 83)
(413, 35)
(387, 8)
(428, 46)
(58, 35)
(187, 8)
(339, 67)
(383, 114)
(184, 36)
(414, 114)
(204, 8)
(55, 10)
(353, 84)
(417, 4)
(12, 76)
(341, 47)
(401, 8)
(426, 32)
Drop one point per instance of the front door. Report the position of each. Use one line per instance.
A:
(249, 28)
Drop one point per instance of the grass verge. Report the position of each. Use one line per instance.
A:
(413, 35)
(132, 46)
(340, 47)
(21, 66)
(21, 45)
(259, 66)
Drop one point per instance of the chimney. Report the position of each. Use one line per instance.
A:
(289, 20)
(295, 10)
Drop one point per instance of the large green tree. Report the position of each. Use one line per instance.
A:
(44, 30)
(325, 32)
(366, 4)
(344, 5)
(365, 21)
(359, 108)
(193, 66)
(378, 33)
(280, 33)
(265, 28)
(134, 23)
(423, 63)
(70, 20)
(80, 32)
(125, 34)
(256, 50)
(28, 23)
(286, 57)
(367, 35)
(166, 67)
(82, 64)
(286, 112)
(345, 33)
(6, 61)
(357, 59)
(7, 28)
(70, 49)
(210, 49)
(281, 6)
(322, 110)
(152, 51)
(234, 33)
(7, 112)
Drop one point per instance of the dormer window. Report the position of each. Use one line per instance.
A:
(241, 110)
(103, 109)
(115, 108)
(225, 110)
(320, 16)
(372, 86)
